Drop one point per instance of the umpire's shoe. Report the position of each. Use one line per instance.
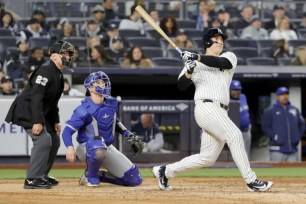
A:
(259, 185)
(36, 183)
(52, 180)
(159, 173)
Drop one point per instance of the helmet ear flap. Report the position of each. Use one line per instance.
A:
(208, 43)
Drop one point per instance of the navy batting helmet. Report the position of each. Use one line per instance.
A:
(104, 90)
(207, 42)
(62, 47)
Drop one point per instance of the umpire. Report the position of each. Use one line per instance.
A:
(36, 109)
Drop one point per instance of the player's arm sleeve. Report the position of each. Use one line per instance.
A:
(216, 62)
(183, 82)
(77, 121)
(40, 83)
(266, 124)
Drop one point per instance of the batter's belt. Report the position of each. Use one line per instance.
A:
(211, 101)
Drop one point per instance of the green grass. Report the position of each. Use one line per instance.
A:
(146, 172)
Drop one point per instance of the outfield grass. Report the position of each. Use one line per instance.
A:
(146, 172)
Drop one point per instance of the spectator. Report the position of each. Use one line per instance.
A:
(155, 16)
(116, 50)
(94, 41)
(68, 91)
(7, 22)
(255, 31)
(66, 30)
(134, 22)
(224, 18)
(41, 17)
(203, 17)
(245, 121)
(284, 126)
(149, 129)
(33, 29)
(303, 22)
(181, 40)
(300, 56)
(99, 17)
(2, 8)
(137, 59)
(2, 74)
(283, 31)
(99, 57)
(245, 19)
(111, 31)
(79, 58)
(93, 30)
(169, 26)
(278, 14)
(36, 58)
(110, 14)
(280, 49)
(7, 86)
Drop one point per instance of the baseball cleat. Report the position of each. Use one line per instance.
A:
(52, 180)
(159, 173)
(83, 180)
(259, 185)
(36, 183)
(93, 182)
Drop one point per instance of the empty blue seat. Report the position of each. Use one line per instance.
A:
(143, 42)
(5, 32)
(151, 52)
(167, 62)
(244, 52)
(261, 61)
(42, 42)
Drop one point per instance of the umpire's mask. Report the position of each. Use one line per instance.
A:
(62, 48)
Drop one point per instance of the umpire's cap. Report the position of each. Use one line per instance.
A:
(212, 33)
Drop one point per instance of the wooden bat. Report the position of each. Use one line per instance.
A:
(150, 21)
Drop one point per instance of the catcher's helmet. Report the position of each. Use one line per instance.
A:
(90, 80)
(61, 47)
(207, 42)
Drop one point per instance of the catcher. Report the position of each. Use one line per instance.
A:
(95, 122)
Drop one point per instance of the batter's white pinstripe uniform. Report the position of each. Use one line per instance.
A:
(218, 129)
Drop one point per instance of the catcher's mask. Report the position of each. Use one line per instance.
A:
(62, 47)
(104, 90)
(207, 42)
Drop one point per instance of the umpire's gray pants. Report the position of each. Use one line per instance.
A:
(43, 152)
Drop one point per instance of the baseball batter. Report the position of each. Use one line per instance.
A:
(212, 77)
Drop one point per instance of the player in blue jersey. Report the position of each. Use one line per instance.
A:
(95, 122)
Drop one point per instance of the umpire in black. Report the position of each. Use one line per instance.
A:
(36, 109)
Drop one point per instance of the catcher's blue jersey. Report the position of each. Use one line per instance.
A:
(82, 117)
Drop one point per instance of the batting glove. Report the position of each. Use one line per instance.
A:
(189, 56)
(190, 66)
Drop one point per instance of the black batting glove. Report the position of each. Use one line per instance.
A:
(190, 66)
(189, 56)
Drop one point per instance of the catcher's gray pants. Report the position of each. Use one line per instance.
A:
(115, 162)
(43, 153)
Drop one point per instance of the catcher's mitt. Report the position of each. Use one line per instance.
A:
(136, 143)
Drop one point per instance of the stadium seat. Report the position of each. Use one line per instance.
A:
(244, 52)
(42, 42)
(301, 33)
(55, 34)
(193, 33)
(143, 42)
(6, 42)
(12, 51)
(151, 52)
(5, 32)
(153, 34)
(198, 42)
(164, 62)
(231, 43)
(185, 23)
(266, 52)
(127, 33)
(81, 42)
(261, 61)
(297, 43)
(262, 44)
(284, 61)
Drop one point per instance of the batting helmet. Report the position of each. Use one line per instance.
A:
(207, 42)
(95, 76)
(62, 47)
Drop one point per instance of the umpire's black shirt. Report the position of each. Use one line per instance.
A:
(38, 103)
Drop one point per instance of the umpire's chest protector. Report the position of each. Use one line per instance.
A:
(105, 115)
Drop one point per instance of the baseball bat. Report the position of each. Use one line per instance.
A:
(150, 21)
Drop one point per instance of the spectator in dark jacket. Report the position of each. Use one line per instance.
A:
(285, 126)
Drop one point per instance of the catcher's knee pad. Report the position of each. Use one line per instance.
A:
(95, 153)
(132, 177)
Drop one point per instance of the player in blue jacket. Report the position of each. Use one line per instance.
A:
(285, 126)
(95, 122)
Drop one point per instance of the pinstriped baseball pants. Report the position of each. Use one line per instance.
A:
(218, 129)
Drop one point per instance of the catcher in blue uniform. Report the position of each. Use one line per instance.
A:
(95, 122)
